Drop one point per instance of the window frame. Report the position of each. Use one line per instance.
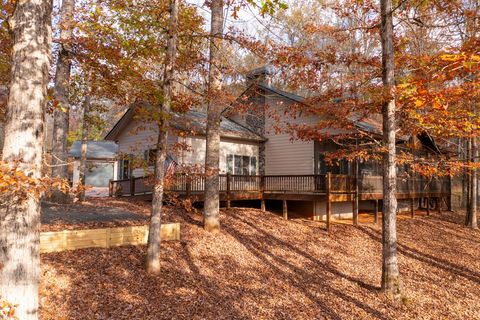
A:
(242, 165)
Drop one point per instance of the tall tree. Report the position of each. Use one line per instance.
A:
(30, 25)
(83, 156)
(153, 246)
(61, 92)
(390, 273)
(472, 207)
(211, 214)
(471, 30)
(5, 63)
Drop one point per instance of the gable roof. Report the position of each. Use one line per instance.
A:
(95, 149)
(372, 124)
(195, 121)
(286, 94)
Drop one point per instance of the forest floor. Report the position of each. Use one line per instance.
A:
(263, 267)
(94, 213)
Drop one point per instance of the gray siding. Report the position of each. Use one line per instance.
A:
(284, 156)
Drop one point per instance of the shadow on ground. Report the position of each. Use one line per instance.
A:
(263, 267)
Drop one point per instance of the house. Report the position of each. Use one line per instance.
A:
(239, 146)
(101, 162)
(253, 144)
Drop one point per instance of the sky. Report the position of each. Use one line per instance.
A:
(248, 20)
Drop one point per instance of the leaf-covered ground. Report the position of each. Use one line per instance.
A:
(263, 267)
(94, 213)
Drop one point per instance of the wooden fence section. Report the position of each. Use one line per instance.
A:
(103, 238)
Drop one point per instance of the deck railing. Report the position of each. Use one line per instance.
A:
(191, 184)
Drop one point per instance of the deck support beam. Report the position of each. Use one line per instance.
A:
(355, 194)
(428, 205)
(132, 186)
(329, 203)
(375, 214)
(411, 186)
(228, 190)
(439, 205)
(412, 207)
(262, 205)
(285, 210)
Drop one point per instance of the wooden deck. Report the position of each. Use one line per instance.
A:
(286, 187)
(328, 188)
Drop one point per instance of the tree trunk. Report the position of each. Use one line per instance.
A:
(20, 215)
(83, 157)
(390, 272)
(472, 214)
(61, 92)
(153, 245)
(468, 180)
(3, 102)
(211, 214)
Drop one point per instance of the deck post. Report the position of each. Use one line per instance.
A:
(439, 199)
(110, 188)
(449, 197)
(375, 214)
(328, 205)
(428, 205)
(412, 197)
(412, 205)
(285, 210)
(188, 186)
(229, 176)
(355, 195)
(262, 192)
(132, 186)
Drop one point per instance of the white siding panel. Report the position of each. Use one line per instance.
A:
(138, 137)
(234, 147)
(197, 146)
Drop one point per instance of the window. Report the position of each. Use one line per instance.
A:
(125, 168)
(150, 156)
(370, 168)
(241, 165)
(230, 163)
(253, 166)
(238, 165)
(336, 167)
(245, 165)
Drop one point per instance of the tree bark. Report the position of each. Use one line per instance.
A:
(20, 214)
(61, 93)
(83, 157)
(211, 213)
(153, 245)
(472, 213)
(390, 273)
(467, 180)
(3, 102)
